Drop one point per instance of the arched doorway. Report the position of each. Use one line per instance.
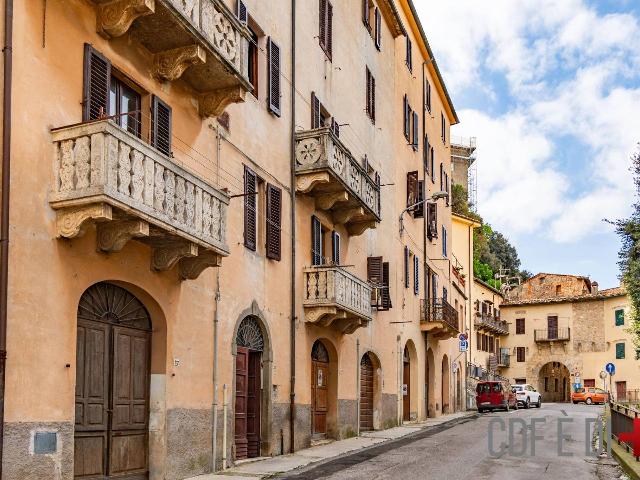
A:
(445, 385)
(406, 385)
(370, 392)
(113, 360)
(248, 393)
(459, 388)
(431, 381)
(554, 381)
(319, 389)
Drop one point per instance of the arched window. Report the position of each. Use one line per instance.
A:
(109, 303)
(250, 335)
(319, 352)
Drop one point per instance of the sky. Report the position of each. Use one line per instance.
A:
(551, 91)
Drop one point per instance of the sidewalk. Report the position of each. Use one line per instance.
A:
(264, 468)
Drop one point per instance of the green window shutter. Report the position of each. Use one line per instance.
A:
(619, 318)
(619, 351)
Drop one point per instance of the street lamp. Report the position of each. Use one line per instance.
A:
(434, 198)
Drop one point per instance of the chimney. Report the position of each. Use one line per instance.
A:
(594, 287)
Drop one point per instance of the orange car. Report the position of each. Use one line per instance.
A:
(589, 395)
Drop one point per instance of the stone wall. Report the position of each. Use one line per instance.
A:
(587, 333)
(546, 286)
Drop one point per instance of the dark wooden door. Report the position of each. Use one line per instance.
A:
(319, 396)
(112, 401)
(621, 391)
(552, 327)
(406, 393)
(366, 394)
(242, 391)
(253, 405)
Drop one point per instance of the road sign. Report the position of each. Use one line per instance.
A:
(603, 374)
(610, 368)
(463, 336)
(464, 345)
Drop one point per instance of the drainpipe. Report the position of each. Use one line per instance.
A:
(224, 426)
(358, 387)
(425, 266)
(214, 405)
(292, 406)
(4, 205)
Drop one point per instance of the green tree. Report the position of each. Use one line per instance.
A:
(629, 231)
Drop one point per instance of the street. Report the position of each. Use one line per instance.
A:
(463, 451)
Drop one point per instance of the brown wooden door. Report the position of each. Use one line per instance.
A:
(242, 391)
(253, 405)
(552, 327)
(621, 391)
(319, 396)
(406, 395)
(366, 394)
(112, 401)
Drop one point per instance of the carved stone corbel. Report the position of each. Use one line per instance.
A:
(113, 236)
(164, 258)
(114, 19)
(191, 268)
(212, 104)
(170, 65)
(306, 182)
(328, 200)
(72, 222)
(345, 215)
(352, 324)
(359, 228)
(313, 314)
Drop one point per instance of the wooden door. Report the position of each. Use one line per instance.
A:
(406, 398)
(552, 327)
(319, 396)
(253, 405)
(242, 391)
(621, 391)
(366, 394)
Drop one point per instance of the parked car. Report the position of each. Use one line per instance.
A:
(491, 395)
(527, 395)
(589, 395)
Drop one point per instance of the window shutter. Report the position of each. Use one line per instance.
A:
(365, 12)
(368, 108)
(316, 241)
(378, 182)
(250, 185)
(432, 221)
(329, 34)
(418, 212)
(428, 96)
(335, 127)
(433, 165)
(415, 130)
(409, 58)
(374, 277)
(373, 99)
(335, 244)
(416, 275)
(425, 154)
(619, 318)
(441, 177)
(274, 222)
(315, 111)
(241, 11)
(161, 125)
(406, 117)
(97, 78)
(378, 19)
(406, 267)
(323, 24)
(386, 294)
(412, 188)
(273, 66)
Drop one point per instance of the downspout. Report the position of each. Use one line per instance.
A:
(292, 406)
(425, 267)
(4, 204)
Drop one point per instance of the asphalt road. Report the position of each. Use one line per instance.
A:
(464, 450)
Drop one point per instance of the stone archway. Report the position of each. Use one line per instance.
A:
(554, 382)
(445, 394)
(409, 382)
(431, 382)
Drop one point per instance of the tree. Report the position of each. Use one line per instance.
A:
(629, 231)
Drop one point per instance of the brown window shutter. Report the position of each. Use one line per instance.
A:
(97, 78)
(406, 109)
(323, 24)
(378, 20)
(373, 99)
(418, 212)
(250, 188)
(415, 131)
(416, 275)
(386, 294)
(329, 34)
(241, 12)
(335, 127)
(368, 102)
(316, 241)
(315, 111)
(274, 222)
(374, 270)
(365, 13)
(273, 65)
(161, 125)
(425, 154)
(412, 188)
(335, 247)
(406, 267)
(432, 221)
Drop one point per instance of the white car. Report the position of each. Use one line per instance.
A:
(527, 396)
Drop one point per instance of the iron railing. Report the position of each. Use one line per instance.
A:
(552, 335)
(494, 324)
(440, 311)
(622, 419)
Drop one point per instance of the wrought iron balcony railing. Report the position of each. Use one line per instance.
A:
(440, 311)
(552, 335)
(326, 170)
(493, 324)
(337, 298)
(107, 176)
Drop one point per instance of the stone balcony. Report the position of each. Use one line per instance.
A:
(327, 171)
(336, 298)
(201, 41)
(105, 175)
(439, 318)
(488, 323)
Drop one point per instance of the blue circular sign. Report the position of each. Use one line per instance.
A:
(610, 368)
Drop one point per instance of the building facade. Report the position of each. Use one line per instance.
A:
(563, 330)
(229, 236)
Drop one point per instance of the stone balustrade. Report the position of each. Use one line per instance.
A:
(326, 170)
(334, 297)
(104, 174)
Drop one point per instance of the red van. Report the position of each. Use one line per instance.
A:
(495, 394)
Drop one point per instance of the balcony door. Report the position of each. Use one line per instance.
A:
(552, 327)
